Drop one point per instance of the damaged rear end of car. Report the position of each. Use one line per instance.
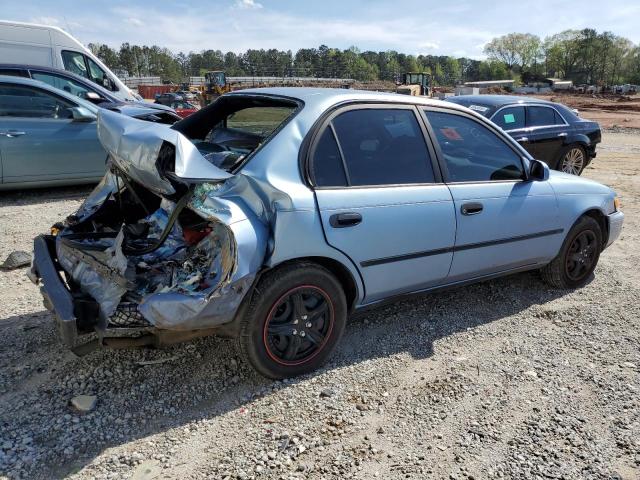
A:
(169, 244)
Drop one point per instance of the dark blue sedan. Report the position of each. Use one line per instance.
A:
(549, 131)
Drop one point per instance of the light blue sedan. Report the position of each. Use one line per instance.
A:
(48, 136)
(272, 214)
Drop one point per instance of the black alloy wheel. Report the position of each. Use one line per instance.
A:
(298, 325)
(581, 255)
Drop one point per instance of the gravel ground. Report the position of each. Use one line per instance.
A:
(505, 379)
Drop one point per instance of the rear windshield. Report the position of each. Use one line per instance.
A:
(229, 130)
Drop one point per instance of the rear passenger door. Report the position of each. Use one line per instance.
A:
(381, 199)
(547, 130)
(513, 121)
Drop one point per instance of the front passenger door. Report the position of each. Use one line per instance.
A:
(39, 141)
(505, 221)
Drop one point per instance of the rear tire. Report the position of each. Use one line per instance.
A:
(294, 321)
(573, 159)
(578, 256)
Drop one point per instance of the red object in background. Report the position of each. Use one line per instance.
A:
(149, 92)
(194, 236)
(184, 109)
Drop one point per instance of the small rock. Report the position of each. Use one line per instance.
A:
(327, 392)
(84, 403)
(16, 259)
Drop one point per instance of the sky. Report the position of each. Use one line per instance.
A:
(446, 27)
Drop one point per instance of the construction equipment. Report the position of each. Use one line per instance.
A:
(415, 84)
(215, 85)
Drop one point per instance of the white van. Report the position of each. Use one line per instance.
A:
(27, 43)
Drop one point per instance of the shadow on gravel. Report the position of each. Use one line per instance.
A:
(13, 198)
(203, 378)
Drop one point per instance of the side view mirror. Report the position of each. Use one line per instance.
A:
(82, 114)
(93, 97)
(538, 170)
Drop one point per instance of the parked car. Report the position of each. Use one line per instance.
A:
(169, 98)
(184, 109)
(48, 136)
(272, 214)
(50, 46)
(549, 131)
(74, 84)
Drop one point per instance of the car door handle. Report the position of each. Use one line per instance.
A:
(563, 134)
(471, 208)
(13, 133)
(348, 219)
(522, 139)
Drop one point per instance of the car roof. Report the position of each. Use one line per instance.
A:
(316, 97)
(45, 86)
(65, 73)
(496, 100)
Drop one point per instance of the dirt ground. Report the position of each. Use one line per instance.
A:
(505, 379)
(610, 111)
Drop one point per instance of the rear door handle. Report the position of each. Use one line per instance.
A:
(471, 208)
(522, 139)
(347, 219)
(563, 134)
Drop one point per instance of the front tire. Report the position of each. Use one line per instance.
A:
(578, 256)
(294, 321)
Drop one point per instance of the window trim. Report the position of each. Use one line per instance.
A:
(508, 140)
(526, 117)
(325, 121)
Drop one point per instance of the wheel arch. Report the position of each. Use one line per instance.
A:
(338, 269)
(599, 216)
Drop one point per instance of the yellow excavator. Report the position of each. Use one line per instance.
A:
(416, 84)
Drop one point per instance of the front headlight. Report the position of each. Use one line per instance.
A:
(617, 204)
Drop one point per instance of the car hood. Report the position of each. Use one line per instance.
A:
(565, 183)
(134, 146)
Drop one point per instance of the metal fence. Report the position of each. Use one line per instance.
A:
(274, 80)
(134, 82)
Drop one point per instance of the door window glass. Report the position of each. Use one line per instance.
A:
(66, 84)
(74, 63)
(326, 165)
(472, 152)
(383, 147)
(24, 101)
(542, 117)
(510, 118)
(99, 76)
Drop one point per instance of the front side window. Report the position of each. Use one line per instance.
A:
(62, 83)
(28, 102)
(99, 76)
(471, 151)
(74, 63)
(542, 117)
(510, 118)
(383, 147)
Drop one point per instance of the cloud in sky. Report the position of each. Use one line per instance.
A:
(408, 26)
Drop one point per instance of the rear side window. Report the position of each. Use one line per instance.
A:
(471, 151)
(380, 147)
(327, 162)
(542, 117)
(28, 102)
(510, 118)
(14, 72)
